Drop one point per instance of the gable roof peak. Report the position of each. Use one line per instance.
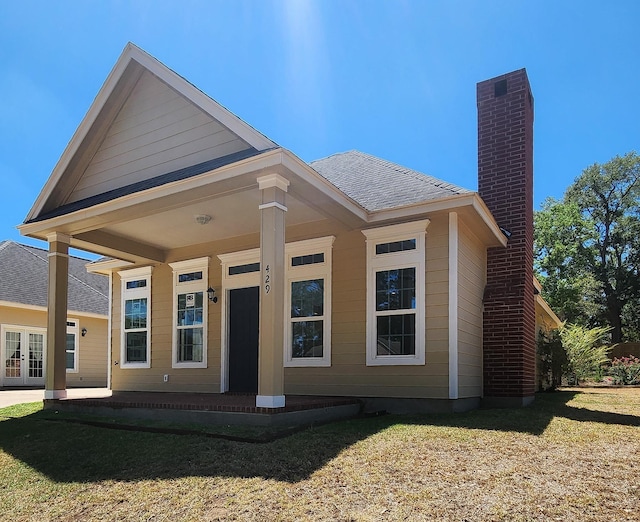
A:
(111, 98)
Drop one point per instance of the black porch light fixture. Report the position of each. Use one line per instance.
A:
(211, 294)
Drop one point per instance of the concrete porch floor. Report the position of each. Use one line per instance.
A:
(211, 408)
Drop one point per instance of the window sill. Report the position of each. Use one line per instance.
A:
(133, 366)
(308, 363)
(407, 360)
(179, 366)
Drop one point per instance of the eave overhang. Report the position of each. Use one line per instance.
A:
(85, 225)
(469, 206)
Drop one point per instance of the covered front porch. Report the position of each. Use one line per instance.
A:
(157, 176)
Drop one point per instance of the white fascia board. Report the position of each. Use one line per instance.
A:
(409, 211)
(106, 267)
(545, 306)
(37, 308)
(82, 130)
(265, 160)
(471, 199)
(484, 212)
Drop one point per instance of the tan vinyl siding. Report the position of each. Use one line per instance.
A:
(205, 380)
(92, 349)
(92, 354)
(471, 283)
(157, 131)
(348, 373)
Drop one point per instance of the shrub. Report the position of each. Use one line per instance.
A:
(586, 350)
(625, 370)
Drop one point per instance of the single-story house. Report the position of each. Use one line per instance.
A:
(23, 319)
(235, 266)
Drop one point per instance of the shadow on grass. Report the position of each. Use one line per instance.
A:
(533, 420)
(81, 453)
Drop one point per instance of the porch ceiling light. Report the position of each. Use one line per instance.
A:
(202, 219)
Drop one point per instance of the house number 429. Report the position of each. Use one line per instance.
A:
(267, 279)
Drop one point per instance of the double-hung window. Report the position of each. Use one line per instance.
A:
(190, 282)
(135, 351)
(396, 294)
(308, 303)
(72, 347)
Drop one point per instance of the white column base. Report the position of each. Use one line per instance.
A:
(55, 394)
(270, 401)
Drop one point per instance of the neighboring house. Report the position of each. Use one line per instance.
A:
(23, 320)
(546, 321)
(235, 266)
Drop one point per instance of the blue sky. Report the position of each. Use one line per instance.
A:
(395, 79)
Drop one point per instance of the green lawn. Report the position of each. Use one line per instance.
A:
(573, 455)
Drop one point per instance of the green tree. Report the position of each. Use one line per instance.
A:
(588, 248)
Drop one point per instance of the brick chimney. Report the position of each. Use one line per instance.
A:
(505, 183)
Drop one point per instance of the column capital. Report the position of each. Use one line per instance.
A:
(59, 237)
(273, 180)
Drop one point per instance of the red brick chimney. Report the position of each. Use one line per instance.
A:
(505, 183)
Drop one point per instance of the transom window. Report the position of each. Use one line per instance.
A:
(308, 303)
(135, 351)
(309, 259)
(244, 269)
(139, 283)
(190, 313)
(190, 276)
(395, 246)
(396, 294)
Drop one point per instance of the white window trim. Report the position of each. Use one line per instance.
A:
(390, 261)
(322, 270)
(75, 330)
(192, 265)
(131, 275)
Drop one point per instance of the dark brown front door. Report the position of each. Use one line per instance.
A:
(244, 304)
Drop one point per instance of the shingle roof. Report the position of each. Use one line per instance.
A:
(24, 273)
(377, 184)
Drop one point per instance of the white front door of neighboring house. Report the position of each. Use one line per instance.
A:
(23, 353)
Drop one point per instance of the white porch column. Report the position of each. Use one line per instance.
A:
(56, 373)
(272, 266)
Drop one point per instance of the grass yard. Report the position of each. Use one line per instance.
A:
(573, 455)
